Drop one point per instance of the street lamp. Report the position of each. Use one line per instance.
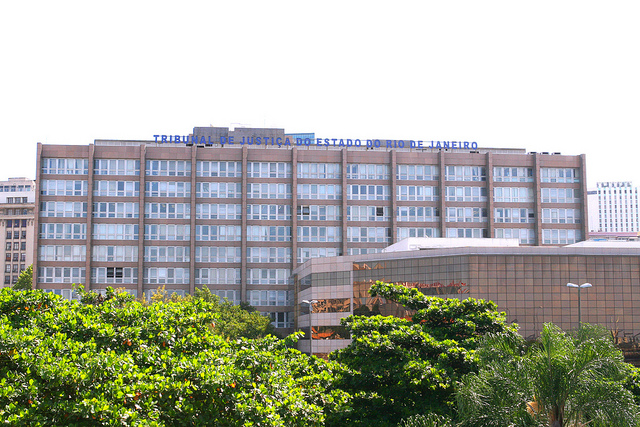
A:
(580, 287)
(310, 302)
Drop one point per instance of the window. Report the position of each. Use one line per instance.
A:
(116, 167)
(319, 213)
(561, 216)
(320, 170)
(268, 170)
(51, 187)
(512, 174)
(268, 191)
(417, 193)
(168, 189)
(524, 235)
(168, 168)
(466, 194)
(167, 210)
(369, 234)
(560, 237)
(319, 234)
(417, 173)
(61, 275)
(281, 320)
(166, 275)
(63, 209)
(268, 276)
(513, 194)
(65, 166)
(218, 211)
(218, 276)
(305, 254)
(368, 213)
(367, 171)
(116, 253)
(269, 212)
(218, 254)
(269, 254)
(223, 190)
(455, 214)
(63, 231)
(218, 232)
(115, 231)
(467, 232)
(265, 233)
(116, 188)
(215, 169)
(560, 195)
(62, 252)
(167, 232)
(116, 210)
(166, 253)
(559, 175)
(404, 232)
(320, 191)
(465, 173)
(368, 192)
(418, 214)
(270, 298)
(513, 215)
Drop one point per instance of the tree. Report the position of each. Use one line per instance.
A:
(25, 280)
(121, 362)
(561, 380)
(402, 367)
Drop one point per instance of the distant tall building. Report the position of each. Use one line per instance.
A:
(616, 204)
(17, 206)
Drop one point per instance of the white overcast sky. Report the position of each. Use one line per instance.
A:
(545, 76)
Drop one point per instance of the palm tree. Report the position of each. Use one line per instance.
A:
(561, 380)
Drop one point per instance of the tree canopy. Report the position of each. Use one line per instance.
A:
(121, 362)
(562, 379)
(402, 367)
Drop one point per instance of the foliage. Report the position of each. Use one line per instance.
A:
(399, 367)
(563, 379)
(25, 280)
(121, 362)
(428, 420)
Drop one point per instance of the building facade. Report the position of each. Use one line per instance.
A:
(529, 284)
(238, 210)
(616, 208)
(17, 206)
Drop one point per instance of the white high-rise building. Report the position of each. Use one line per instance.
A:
(617, 207)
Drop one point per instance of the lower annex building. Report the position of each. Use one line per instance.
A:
(239, 210)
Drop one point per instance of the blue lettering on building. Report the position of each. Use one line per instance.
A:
(289, 140)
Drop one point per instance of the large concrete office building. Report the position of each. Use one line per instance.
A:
(238, 210)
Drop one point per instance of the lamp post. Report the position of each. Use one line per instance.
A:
(580, 287)
(310, 302)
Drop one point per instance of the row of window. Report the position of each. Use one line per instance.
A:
(305, 170)
(17, 246)
(307, 191)
(178, 232)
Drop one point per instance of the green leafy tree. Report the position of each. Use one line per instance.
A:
(561, 380)
(121, 362)
(399, 368)
(25, 280)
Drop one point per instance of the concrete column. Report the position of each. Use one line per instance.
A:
(142, 182)
(89, 222)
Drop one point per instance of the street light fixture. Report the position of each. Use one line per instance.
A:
(310, 302)
(579, 287)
